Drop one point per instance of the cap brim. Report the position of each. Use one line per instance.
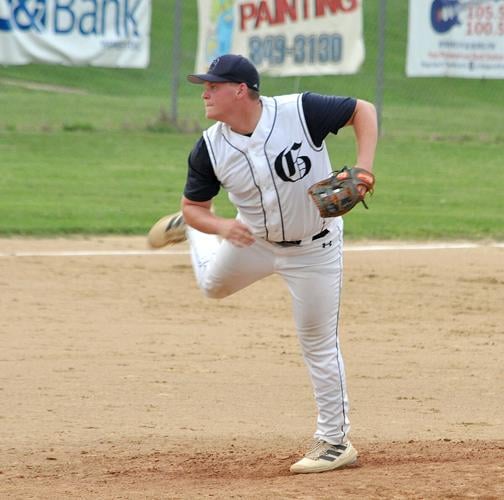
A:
(205, 77)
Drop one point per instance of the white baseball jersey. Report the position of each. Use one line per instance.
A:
(267, 175)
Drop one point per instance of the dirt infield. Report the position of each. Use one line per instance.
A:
(118, 380)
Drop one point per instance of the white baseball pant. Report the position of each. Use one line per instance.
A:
(313, 274)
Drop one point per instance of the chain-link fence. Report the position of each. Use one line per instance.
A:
(434, 106)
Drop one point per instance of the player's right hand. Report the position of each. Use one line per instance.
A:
(236, 233)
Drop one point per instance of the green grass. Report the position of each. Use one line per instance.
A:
(89, 182)
(111, 159)
(120, 182)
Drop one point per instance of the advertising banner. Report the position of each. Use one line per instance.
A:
(283, 37)
(112, 33)
(456, 38)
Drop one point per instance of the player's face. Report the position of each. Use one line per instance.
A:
(220, 99)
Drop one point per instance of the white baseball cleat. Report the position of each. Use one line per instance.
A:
(168, 230)
(324, 457)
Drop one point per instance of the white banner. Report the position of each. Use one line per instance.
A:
(283, 37)
(113, 33)
(456, 38)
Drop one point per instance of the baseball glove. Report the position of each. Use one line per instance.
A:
(339, 193)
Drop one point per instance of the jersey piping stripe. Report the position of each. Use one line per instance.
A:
(338, 353)
(209, 143)
(271, 171)
(254, 181)
(305, 127)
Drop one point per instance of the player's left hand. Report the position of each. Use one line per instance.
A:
(362, 188)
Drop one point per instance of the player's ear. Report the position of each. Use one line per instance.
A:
(242, 90)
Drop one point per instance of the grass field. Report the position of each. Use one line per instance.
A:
(99, 153)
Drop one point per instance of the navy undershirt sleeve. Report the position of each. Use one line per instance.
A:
(202, 183)
(326, 114)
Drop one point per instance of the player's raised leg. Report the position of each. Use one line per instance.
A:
(222, 268)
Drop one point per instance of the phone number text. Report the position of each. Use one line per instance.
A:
(305, 49)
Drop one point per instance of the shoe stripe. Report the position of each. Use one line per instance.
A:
(341, 447)
(174, 222)
(336, 453)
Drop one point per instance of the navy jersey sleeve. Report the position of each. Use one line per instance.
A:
(202, 183)
(325, 114)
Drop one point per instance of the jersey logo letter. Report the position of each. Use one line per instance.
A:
(291, 169)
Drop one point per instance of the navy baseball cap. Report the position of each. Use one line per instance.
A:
(229, 68)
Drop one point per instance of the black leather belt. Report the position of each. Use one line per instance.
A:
(296, 243)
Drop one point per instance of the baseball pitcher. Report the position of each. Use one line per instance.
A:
(269, 154)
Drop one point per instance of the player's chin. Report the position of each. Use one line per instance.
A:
(213, 114)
